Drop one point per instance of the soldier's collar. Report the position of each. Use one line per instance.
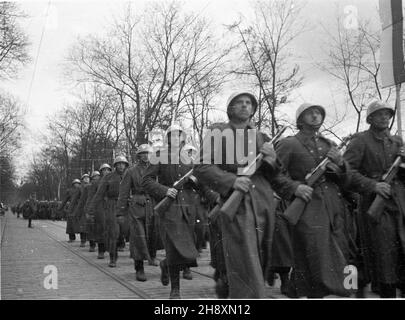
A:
(380, 135)
(306, 136)
(250, 125)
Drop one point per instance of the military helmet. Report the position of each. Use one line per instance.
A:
(189, 147)
(378, 105)
(143, 148)
(174, 127)
(120, 159)
(239, 93)
(95, 173)
(104, 165)
(305, 106)
(76, 181)
(85, 176)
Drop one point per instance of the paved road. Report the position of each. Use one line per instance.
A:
(25, 253)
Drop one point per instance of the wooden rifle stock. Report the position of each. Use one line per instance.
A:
(167, 201)
(296, 208)
(377, 207)
(232, 204)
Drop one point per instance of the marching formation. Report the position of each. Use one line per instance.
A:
(301, 207)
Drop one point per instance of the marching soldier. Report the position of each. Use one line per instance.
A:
(177, 222)
(75, 209)
(244, 239)
(99, 212)
(70, 221)
(319, 239)
(138, 205)
(90, 220)
(109, 190)
(30, 208)
(79, 210)
(370, 154)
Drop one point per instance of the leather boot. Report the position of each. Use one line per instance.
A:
(174, 272)
(140, 273)
(221, 287)
(92, 246)
(101, 250)
(113, 260)
(164, 276)
(285, 282)
(187, 274)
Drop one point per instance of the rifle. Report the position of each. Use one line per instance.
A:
(166, 202)
(294, 211)
(377, 207)
(232, 204)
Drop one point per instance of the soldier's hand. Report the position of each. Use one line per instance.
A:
(242, 184)
(333, 167)
(335, 156)
(172, 193)
(401, 153)
(304, 192)
(383, 189)
(268, 150)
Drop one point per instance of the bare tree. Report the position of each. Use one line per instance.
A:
(11, 121)
(353, 61)
(150, 61)
(266, 43)
(13, 42)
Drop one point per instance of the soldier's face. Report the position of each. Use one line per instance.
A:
(144, 156)
(175, 138)
(96, 178)
(381, 119)
(105, 171)
(86, 180)
(241, 108)
(120, 166)
(312, 117)
(76, 185)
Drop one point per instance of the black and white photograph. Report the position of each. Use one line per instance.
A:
(209, 153)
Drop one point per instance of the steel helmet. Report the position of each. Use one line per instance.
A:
(95, 173)
(305, 106)
(121, 159)
(239, 93)
(143, 148)
(105, 165)
(189, 147)
(76, 181)
(85, 176)
(378, 105)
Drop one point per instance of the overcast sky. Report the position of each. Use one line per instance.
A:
(61, 22)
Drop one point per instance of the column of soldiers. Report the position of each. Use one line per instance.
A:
(170, 201)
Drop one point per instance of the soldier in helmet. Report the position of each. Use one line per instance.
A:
(70, 221)
(319, 239)
(81, 199)
(370, 154)
(243, 247)
(109, 190)
(99, 213)
(201, 223)
(90, 221)
(30, 208)
(138, 205)
(177, 223)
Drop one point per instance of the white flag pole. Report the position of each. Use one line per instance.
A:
(398, 104)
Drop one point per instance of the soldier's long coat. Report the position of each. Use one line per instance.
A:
(108, 190)
(247, 240)
(177, 223)
(97, 215)
(370, 155)
(79, 210)
(135, 203)
(319, 239)
(71, 222)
